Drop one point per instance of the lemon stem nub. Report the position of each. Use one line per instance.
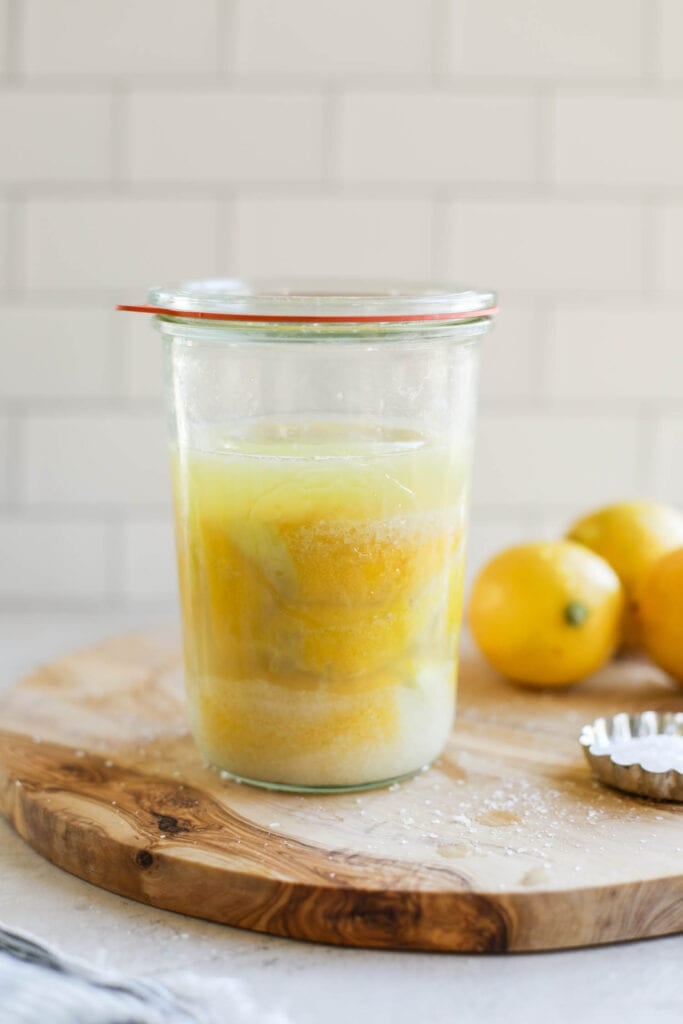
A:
(575, 613)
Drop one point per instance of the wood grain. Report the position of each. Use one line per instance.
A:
(505, 844)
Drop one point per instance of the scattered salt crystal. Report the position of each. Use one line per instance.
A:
(658, 753)
(79, 753)
(274, 824)
(109, 763)
(461, 819)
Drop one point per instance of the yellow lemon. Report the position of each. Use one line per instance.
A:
(660, 605)
(631, 536)
(547, 614)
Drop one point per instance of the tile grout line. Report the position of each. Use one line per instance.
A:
(670, 299)
(546, 112)
(544, 311)
(441, 216)
(646, 457)
(16, 242)
(649, 216)
(440, 18)
(226, 216)
(561, 407)
(650, 25)
(115, 554)
(467, 190)
(427, 82)
(331, 138)
(81, 405)
(227, 29)
(14, 463)
(118, 377)
(119, 157)
(15, 39)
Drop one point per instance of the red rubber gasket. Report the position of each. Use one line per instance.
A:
(194, 314)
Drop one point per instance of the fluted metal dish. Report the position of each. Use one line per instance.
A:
(604, 733)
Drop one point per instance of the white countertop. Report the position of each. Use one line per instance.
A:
(627, 983)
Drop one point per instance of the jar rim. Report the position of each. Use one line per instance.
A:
(319, 301)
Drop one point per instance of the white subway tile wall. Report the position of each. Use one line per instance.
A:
(226, 137)
(68, 561)
(558, 245)
(148, 572)
(112, 242)
(61, 352)
(329, 236)
(621, 352)
(140, 351)
(94, 458)
(63, 136)
(118, 37)
(530, 145)
(546, 39)
(375, 143)
(510, 363)
(618, 140)
(530, 458)
(324, 38)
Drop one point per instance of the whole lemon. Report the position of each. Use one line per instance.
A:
(660, 604)
(547, 614)
(631, 536)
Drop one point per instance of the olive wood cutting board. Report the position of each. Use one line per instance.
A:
(506, 843)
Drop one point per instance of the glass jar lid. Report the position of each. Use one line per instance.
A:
(318, 302)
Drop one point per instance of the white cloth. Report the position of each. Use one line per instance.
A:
(40, 986)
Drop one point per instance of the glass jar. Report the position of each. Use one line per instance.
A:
(321, 447)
